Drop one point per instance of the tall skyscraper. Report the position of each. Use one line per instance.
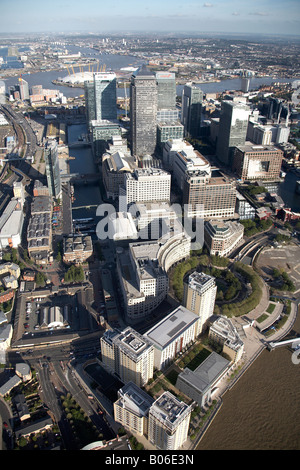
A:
(52, 169)
(192, 98)
(23, 88)
(166, 90)
(232, 129)
(101, 97)
(199, 296)
(143, 112)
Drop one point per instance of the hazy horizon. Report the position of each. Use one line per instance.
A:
(263, 17)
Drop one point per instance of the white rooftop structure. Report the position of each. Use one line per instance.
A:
(172, 326)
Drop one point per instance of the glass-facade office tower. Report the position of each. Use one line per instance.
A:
(233, 127)
(192, 98)
(166, 90)
(101, 97)
(52, 169)
(143, 112)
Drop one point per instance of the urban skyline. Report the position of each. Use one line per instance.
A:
(229, 16)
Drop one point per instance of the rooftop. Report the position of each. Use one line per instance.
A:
(171, 327)
(169, 409)
(206, 374)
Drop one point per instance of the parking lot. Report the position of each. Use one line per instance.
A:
(31, 323)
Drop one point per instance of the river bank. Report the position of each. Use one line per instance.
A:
(260, 410)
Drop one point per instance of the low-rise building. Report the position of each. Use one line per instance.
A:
(39, 230)
(77, 248)
(222, 237)
(201, 383)
(223, 332)
(11, 225)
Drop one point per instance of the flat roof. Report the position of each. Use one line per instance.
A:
(206, 374)
(171, 327)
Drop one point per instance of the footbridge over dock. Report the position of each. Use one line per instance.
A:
(295, 342)
(81, 178)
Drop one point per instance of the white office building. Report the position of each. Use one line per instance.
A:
(145, 185)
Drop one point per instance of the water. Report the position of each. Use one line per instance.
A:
(84, 194)
(262, 411)
(287, 191)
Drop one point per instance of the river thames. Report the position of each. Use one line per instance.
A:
(262, 410)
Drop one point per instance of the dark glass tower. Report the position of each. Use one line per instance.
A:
(101, 97)
(143, 112)
(52, 169)
(232, 129)
(192, 98)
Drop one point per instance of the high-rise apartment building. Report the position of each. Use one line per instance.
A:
(172, 335)
(23, 88)
(52, 168)
(143, 112)
(192, 98)
(169, 420)
(129, 354)
(131, 409)
(101, 97)
(232, 129)
(199, 296)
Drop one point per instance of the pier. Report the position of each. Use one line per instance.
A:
(277, 344)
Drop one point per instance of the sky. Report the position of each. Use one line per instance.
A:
(97, 16)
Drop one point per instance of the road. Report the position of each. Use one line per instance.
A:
(57, 378)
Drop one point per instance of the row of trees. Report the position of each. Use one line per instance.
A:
(251, 227)
(249, 303)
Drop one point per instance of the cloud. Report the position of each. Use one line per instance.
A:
(208, 5)
(235, 13)
(259, 13)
